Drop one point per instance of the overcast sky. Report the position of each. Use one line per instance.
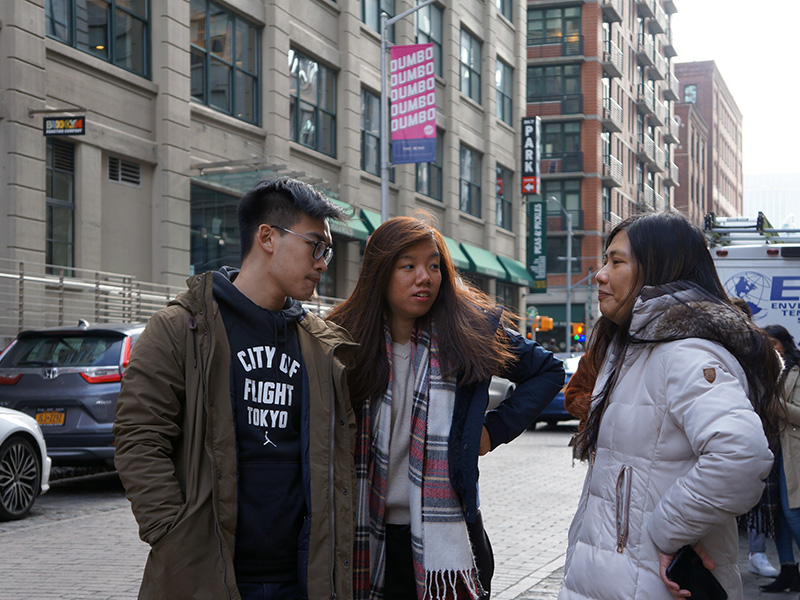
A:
(755, 46)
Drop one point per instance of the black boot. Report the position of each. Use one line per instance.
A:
(788, 580)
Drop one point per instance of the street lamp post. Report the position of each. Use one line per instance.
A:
(385, 24)
(568, 217)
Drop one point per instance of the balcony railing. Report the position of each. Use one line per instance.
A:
(646, 8)
(558, 104)
(646, 148)
(659, 68)
(612, 118)
(562, 162)
(555, 47)
(671, 87)
(612, 170)
(646, 197)
(659, 202)
(658, 163)
(673, 131)
(659, 116)
(612, 10)
(671, 176)
(669, 48)
(658, 24)
(612, 61)
(645, 50)
(645, 99)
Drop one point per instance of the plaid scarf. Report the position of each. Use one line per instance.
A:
(444, 566)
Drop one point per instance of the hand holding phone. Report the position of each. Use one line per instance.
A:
(688, 571)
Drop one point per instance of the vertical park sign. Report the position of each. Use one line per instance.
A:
(413, 103)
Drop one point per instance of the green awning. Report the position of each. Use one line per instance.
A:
(371, 218)
(483, 262)
(460, 260)
(517, 273)
(352, 227)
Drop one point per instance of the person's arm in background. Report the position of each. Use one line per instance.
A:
(539, 376)
(578, 392)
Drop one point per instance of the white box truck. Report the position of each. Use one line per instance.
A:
(761, 265)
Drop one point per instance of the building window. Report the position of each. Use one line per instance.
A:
(470, 177)
(505, 216)
(690, 93)
(370, 133)
(507, 295)
(429, 175)
(117, 31)
(371, 14)
(312, 106)
(327, 280)
(504, 8)
(224, 71)
(214, 230)
(557, 80)
(429, 30)
(60, 194)
(504, 81)
(470, 66)
(552, 24)
(557, 253)
(568, 193)
(124, 171)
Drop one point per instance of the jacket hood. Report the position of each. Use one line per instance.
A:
(681, 310)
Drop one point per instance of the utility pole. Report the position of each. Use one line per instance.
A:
(385, 24)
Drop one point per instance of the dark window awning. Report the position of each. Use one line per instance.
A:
(483, 262)
(460, 260)
(516, 271)
(353, 227)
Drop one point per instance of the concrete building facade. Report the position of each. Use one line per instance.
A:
(188, 103)
(702, 84)
(600, 75)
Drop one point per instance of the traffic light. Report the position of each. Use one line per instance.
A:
(546, 324)
(579, 332)
(536, 323)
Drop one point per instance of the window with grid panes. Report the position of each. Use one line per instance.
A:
(470, 181)
(551, 24)
(505, 216)
(470, 59)
(312, 103)
(224, 61)
(371, 15)
(504, 82)
(117, 31)
(60, 204)
(429, 31)
(429, 174)
(554, 80)
(504, 8)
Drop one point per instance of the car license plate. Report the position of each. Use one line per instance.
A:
(50, 417)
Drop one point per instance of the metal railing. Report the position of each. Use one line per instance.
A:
(612, 59)
(612, 170)
(612, 115)
(557, 104)
(612, 10)
(645, 49)
(555, 46)
(35, 295)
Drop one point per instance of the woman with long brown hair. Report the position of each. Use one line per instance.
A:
(429, 344)
(675, 448)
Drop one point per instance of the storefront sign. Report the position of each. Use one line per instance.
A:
(64, 125)
(537, 247)
(531, 156)
(412, 103)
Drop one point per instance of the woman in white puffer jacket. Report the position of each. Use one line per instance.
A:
(674, 445)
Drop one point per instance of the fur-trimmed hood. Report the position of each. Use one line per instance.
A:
(682, 310)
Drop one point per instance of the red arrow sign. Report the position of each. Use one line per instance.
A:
(530, 185)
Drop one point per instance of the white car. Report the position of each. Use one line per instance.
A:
(24, 464)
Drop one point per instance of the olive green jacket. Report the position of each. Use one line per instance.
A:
(790, 437)
(176, 451)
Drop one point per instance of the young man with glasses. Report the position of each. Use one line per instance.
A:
(234, 429)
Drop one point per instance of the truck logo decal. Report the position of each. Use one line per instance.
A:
(753, 288)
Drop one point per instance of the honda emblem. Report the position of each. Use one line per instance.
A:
(50, 373)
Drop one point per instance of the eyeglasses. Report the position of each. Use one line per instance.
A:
(320, 249)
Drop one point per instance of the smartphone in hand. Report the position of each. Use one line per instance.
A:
(687, 570)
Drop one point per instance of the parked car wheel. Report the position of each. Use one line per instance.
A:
(20, 477)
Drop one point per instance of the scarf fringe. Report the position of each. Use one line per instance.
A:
(441, 585)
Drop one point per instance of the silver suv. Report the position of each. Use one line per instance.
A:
(68, 379)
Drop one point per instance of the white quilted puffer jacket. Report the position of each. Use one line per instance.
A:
(680, 454)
